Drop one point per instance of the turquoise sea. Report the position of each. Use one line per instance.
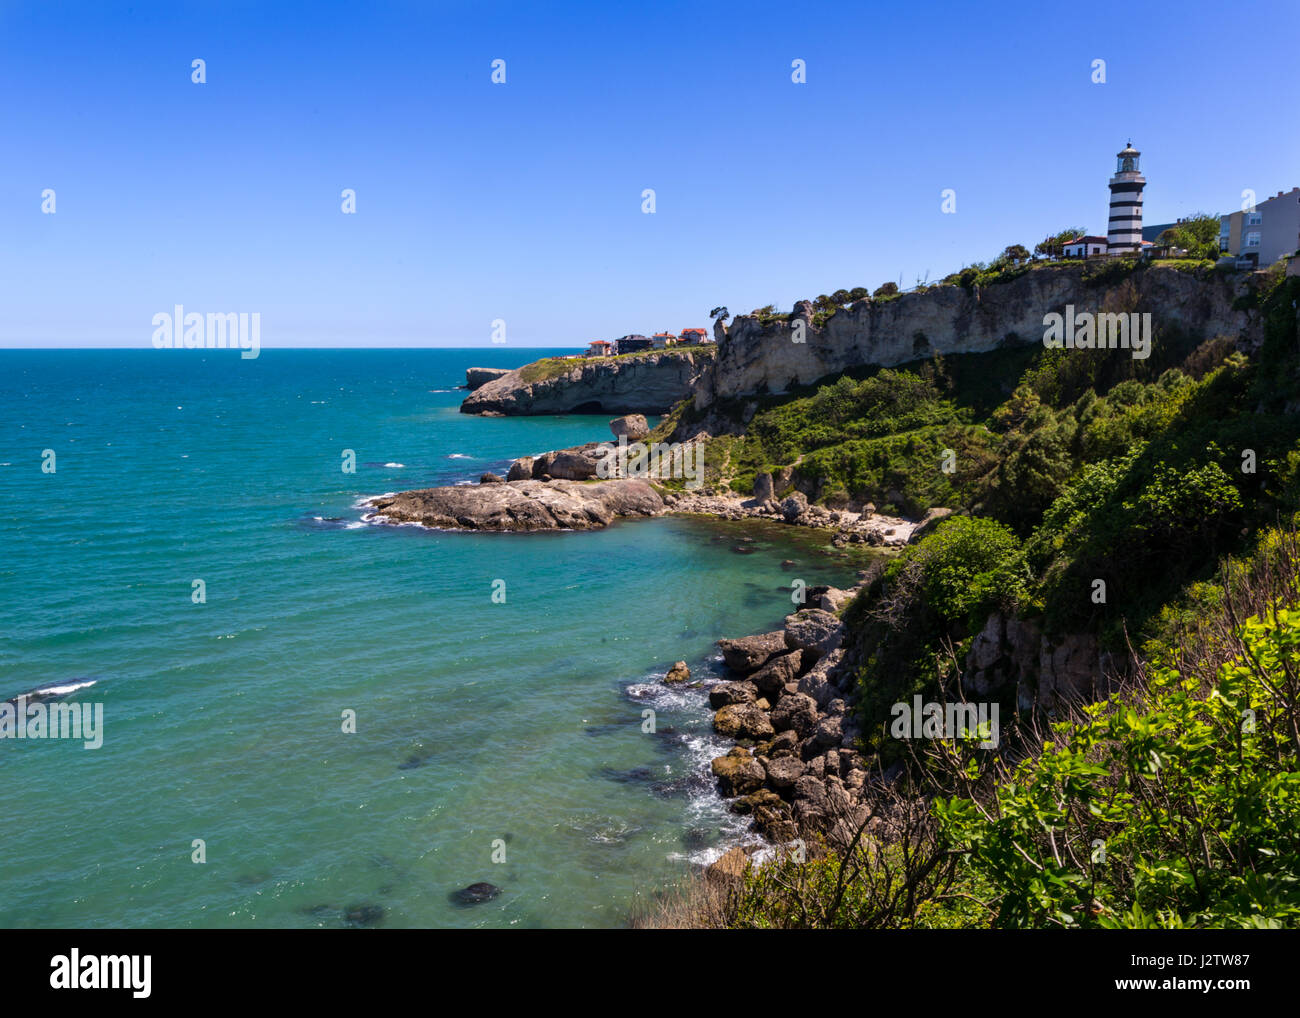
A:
(494, 742)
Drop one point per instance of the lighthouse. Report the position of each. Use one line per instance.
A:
(1124, 232)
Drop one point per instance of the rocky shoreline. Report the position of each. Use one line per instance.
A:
(519, 506)
(795, 769)
(561, 490)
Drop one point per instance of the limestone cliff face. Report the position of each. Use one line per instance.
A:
(648, 384)
(754, 357)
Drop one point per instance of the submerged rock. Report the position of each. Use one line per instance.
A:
(361, 916)
(475, 893)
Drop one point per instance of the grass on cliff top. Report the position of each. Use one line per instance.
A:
(553, 367)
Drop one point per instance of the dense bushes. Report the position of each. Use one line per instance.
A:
(1177, 807)
(1173, 804)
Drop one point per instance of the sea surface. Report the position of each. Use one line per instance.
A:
(499, 742)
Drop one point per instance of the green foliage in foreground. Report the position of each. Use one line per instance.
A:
(1181, 809)
(1172, 805)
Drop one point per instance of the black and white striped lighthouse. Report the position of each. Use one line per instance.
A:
(1124, 232)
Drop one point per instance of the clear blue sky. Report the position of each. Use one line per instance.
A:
(523, 201)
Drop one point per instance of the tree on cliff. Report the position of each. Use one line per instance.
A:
(1198, 235)
(720, 314)
(1050, 247)
(1015, 253)
(886, 290)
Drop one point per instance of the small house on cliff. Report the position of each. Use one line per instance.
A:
(631, 344)
(1085, 247)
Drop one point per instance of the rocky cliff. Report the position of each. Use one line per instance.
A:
(650, 383)
(763, 357)
(476, 378)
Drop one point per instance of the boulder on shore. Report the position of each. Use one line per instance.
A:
(743, 721)
(729, 868)
(794, 506)
(749, 653)
(813, 629)
(521, 469)
(581, 463)
(634, 426)
(780, 669)
(738, 773)
(724, 694)
(795, 712)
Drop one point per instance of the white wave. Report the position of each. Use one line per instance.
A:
(71, 687)
(461, 456)
(397, 466)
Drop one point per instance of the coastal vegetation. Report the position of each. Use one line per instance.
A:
(1143, 508)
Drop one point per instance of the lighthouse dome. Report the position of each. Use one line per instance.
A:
(1127, 160)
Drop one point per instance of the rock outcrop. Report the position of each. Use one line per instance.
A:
(679, 672)
(761, 356)
(477, 377)
(577, 464)
(521, 505)
(649, 383)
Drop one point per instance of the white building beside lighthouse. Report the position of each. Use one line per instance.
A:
(1124, 231)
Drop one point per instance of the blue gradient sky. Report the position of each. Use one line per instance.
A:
(523, 202)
